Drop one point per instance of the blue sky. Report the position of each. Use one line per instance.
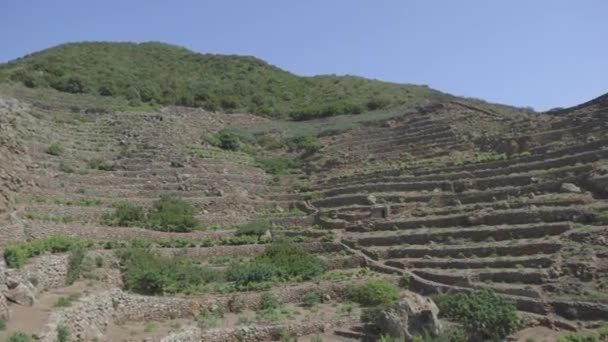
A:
(539, 53)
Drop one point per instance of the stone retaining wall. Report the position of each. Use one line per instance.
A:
(260, 333)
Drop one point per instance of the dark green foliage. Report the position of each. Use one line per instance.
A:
(279, 165)
(169, 213)
(102, 165)
(483, 313)
(20, 337)
(374, 292)
(54, 149)
(158, 73)
(246, 274)
(269, 302)
(146, 272)
(75, 265)
(254, 229)
(17, 254)
(225, 139)
(281, 261)
(126, 215)
(370, 314)
(312, 298)
(304, 143)
(172, 214)
(63, 334)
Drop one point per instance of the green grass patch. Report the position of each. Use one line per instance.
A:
(281, 261)
(146, 272)
(54, 149)
(154, 73)
(483, 313)
(169, 214)
(374, 292)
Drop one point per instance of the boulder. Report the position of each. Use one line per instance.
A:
(371, 199)
(412, 316)
(569, 187)
(22, 295)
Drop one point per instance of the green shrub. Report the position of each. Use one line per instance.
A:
(20, 337)
(279, 165)
(246, 274)
(54, 149)
(102, 165)
(172, 214)
(125, 215)
(305, 143)
(312, 298)
(17, 254)
(75, 265)
(483, 313)
(2, 323)
(281, 261)
(225, 139)
(146, 272)
(169, 213)
(269, 302)
(374, 292)
(256, 228)
(63, 334)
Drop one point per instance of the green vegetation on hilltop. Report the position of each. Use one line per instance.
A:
(157, 73)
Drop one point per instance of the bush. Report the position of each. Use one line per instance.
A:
(246, 274)
(312, 298)
(483, 313)
(269, 302)
(20, 337)
(374, 292)
(172, 214)
(279, 165)
(225, 139)
(54, 149)
(17, 254)
(305, 143)
(2, 323)
(63, 334)
(75, 265)
(102, 165)
(146, 272)
(253, 229)
(281, 261)
(126, 215)
(169, 213)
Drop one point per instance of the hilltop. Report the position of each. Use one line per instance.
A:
(164, 74)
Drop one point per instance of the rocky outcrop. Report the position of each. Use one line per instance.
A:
(21, 294)
(413, 315)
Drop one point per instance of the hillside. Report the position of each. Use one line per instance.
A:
(165, 74)
(129, 221)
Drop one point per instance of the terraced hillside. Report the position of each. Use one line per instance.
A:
(122, 223)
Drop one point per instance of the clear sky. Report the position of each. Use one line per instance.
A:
(539, 53)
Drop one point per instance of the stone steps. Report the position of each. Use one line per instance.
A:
(528, 276)
(498, 217)
(534, 261)
(425, 236)
(487, 249)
